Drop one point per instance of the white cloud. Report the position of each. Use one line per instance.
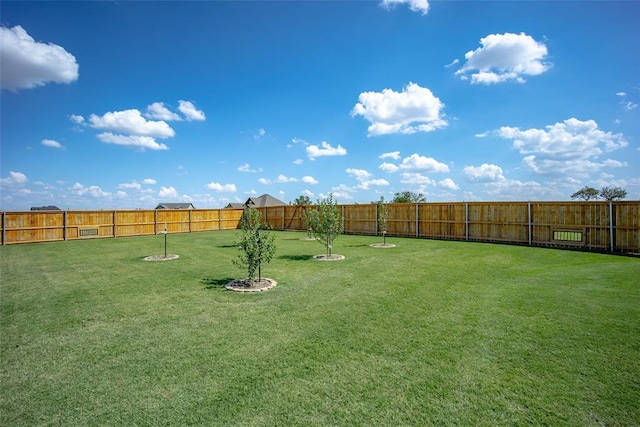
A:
(141, 142)
(130, 185)
(246, 168)
(628, 106)
(484, 173)
(25, 63)
(264, 181)
(307, 193)
(368, 183)
(359, 174)
(230, 188)
(504, 57)
(452, 63)
(421, 6)
(449, 184)
(131, 122)
(395, 155)
(416, 179)
(309, 180)
(296, 140)
(14, 178)
(415, 109)
(121, 194)
(427, 164)
(149, 181)
(482, 135)
(326, 149)
(283, 179)
(51, 143)
(298, 161)
(563, 148)
(76, 119)
(158, 111)
(92, 190)
(190, 111)
(168, 193)
(621, 94)
(388, 167)
(261, 132)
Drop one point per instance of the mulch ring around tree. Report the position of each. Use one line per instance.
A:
(246, 285)
(382, 245)
(325, 257)
(169, 257)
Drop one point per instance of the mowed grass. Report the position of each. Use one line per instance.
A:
(426, 333)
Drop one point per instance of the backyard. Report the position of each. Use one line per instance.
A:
(426, 333)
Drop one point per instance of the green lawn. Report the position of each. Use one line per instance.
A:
(426, 333)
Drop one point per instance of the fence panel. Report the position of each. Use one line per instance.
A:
(401, 220)
(205, 220)
(135, 223)
(627, 226)
(35, 227)
(441, 220)
(90, 224)
(360, 219)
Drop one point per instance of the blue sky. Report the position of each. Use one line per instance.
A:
(123, 105)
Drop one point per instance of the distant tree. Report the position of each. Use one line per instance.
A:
(256, 243)
(383, 213)
(586, 193)
(408, 197)
(302, 201)
(327, 222)
(612, 194)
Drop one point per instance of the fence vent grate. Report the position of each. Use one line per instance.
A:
(85, 232)
(567, 236)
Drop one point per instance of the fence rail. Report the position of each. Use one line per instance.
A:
(597, 226)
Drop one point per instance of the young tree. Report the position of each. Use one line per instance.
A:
(309, 220)
(585, 193)
(613, 194)
(383, 213)
(327, 222)
(256, 243)
(408, 197)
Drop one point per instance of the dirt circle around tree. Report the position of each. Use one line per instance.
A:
(325, 257)
(382, 245)
(169, 257)
(245, 285)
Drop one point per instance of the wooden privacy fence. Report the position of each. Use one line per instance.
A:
(46, 226)
(598, 226)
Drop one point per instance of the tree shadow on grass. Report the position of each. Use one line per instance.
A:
(217, 284)
(356, 246)
(227, 246)
(296, 257)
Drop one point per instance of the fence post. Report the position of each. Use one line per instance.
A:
(4, 228)
(417, 218)
(283, 217)
(64, 225)
(530, 222)
(114, 224)
(611, 239)
(466, 221)
(155, 221)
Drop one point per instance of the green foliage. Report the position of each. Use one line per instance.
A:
(383, 214)
(309, 220)
(326, 221)
(302, 201)
(612, 194)
(585, 193)
(609, 194)
(408, 197)
(255, 243)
